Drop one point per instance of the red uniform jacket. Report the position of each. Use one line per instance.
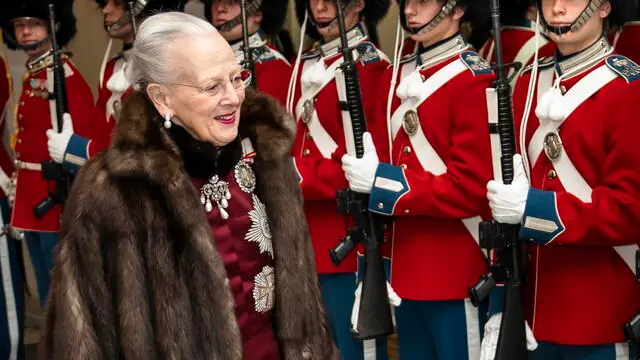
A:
(580, 290)
(627, 41)
(112, 90)
(272, 68)
(6, 165)
(434, 256)
(35, 115)
(518, 44)
(320, 143)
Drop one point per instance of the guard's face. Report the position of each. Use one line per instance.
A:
(324, 11)
(113, 11)
(207, 93)
(420, 12)
(225, 10)
(564, 13)
(29, 31)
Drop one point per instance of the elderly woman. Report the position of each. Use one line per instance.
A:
(186, 239)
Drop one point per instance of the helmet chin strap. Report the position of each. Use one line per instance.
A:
(252, 9)
(331, 23)
(446, 10)
(125, 19)
(586, 14)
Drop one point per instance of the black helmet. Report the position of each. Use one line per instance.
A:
(476, 14)
(145, 8)
(621, 12)
(274, 13)
(373, 12)
(39, 9)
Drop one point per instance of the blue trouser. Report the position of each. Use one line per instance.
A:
(338, 296)
(551, 351)
(11, 294)
(439, 330)
(41, 247)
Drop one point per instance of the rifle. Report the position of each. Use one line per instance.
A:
(374, 319)
(50, 169)
(632, 327)
(503, 238)
(249, 64)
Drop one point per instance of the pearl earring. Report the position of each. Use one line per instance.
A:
(167, 120)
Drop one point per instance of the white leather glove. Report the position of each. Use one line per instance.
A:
(394, 301)
(361, 173)
(58, 142)
(508, 202)
(491, 333)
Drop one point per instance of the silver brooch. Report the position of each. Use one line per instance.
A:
(217, 191)
(263, 289)
(245, 177)
(260, 232)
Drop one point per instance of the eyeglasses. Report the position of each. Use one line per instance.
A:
(239, 81)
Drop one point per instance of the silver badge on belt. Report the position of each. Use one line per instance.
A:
(410, 122)
(552, 145)
(307, 112)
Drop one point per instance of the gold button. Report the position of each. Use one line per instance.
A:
(380, 206)
(21, 103)
(306, 152)
(552, 174)
(19, 116)
(308, 136)
(404, 166)
(406, 211)
(406, 150)
(19, 141)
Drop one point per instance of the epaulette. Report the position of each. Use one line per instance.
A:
(368, 52)
(263, 54)
(542, 63)
(624, 67)
(408, 58)
(313, 52)
(475, 63)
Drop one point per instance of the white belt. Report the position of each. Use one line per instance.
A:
(28, 166)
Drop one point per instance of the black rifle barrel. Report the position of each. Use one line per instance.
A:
(246, 47)
(59, 83)
(374, 319)
(512, 344)
(132, 14)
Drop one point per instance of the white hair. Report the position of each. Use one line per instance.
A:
(150, 59)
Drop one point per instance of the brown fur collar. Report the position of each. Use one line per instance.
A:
(131, 233)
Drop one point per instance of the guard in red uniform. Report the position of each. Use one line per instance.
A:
(518, 36)
(264, 20)
(12, 289)
(626, 41)
(316, 90)
(113, 87)
(26, 27)
(434, 183)
(580, 208)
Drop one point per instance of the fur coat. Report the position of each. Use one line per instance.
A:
(137, 275)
